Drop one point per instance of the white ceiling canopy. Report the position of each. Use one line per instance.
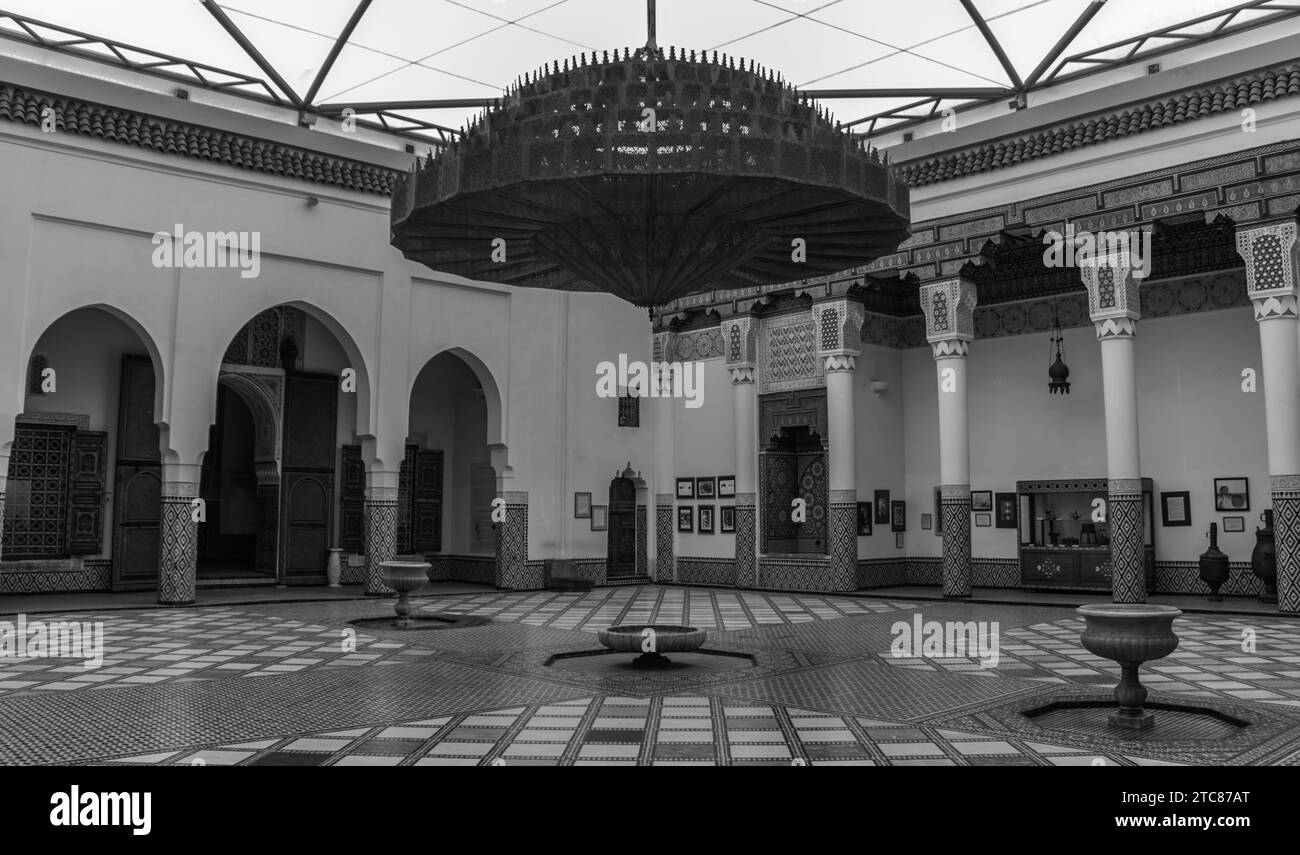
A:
(424, 66)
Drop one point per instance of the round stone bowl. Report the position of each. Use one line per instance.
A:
(404, 577)
(1130, 634)
(652, 641)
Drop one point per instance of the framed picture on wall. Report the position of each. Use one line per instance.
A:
(706, 519)
(582, 506)
(927, 522)
(1176, 508)
(706, 488)
(686, 518)
(1231, 494)
(981, 500)
(983, 520)
(1234, 523)
(882, 507)
(686, 488)
(727, 519)
(1005, 505)
(898, 516)
(864, 519)
(599, 517)
(726, 486)
(898, 540)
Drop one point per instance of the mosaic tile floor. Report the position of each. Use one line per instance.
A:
(822, 689)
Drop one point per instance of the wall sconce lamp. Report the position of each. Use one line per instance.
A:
(879, 387)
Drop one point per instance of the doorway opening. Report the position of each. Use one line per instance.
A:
(620, 558)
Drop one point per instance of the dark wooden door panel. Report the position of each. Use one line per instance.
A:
(307, 480)
(352, 500)
(620, 557)
(426, 502)
(137, 480)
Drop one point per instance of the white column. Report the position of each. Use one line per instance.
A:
(949, 308)
(1272, 258)
(665, 485)
(838, 325)
(1114, 307)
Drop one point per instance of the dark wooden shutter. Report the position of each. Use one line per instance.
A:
(352, 500)
(86, 492)
(405, 490)
(426, 502)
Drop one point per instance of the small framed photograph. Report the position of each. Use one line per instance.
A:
(1234, 523)
(898, 540)
(981, 500)
(898, 516)
(706, 519)
(882, 507)
(983, 520)
(599, 517)
(1175, 508)
(1231, 494)
(864, 519)
(927, 522)
(686, 518)
(727, 519)
(1005, 504)
(726, 486)
(706, 488)
(582, 506)
(686, 488)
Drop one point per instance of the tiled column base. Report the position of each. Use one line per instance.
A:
(178, 547)
(955, 506)
(642, 540)
(664, 522)
(380, 535)
(2, 523)
(1129, 582)
(1286, 537)
(512, 572)
(746, 541)
(842, 535)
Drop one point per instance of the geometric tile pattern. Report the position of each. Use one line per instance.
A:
(787, 353)
(1126, 552)
(642, 541)
(956, 509)
(880, 573)
(512, 547)
(148, 647)
(717, 572)
(1286, 511)
(479, 695)
(664, 522)
(381, 542)
(178, 551)
(89, 574)
(746, 546)
(843, 541)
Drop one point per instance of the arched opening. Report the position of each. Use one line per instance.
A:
(447, 479)
(287, 405)
(84, 481)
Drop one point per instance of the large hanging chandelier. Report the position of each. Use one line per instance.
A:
(651, 176)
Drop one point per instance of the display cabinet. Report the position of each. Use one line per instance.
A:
(1062, 546)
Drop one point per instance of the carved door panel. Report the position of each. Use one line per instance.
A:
(307, 482)
(620, 559)
(426, 502)
(137, 481)
(352, 500)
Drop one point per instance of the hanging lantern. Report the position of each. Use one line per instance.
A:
(1058, 373)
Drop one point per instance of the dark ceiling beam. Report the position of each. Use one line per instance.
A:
(235, 33)
(334, 51)
(993, 43)
(1064, 42)
(984, 93)
(336, 107)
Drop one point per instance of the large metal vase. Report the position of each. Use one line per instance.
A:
(1214, 565)
(1263, 559)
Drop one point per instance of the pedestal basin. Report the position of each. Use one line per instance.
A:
(404, 577)
(1130, 634)
(652, 640)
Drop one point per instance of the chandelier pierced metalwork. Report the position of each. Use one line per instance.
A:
(652, 176)
(1058, 372)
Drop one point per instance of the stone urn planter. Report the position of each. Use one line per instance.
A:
(334, 568)
(404, 577)
(652, 641)
(1214, 565)
(1130, 634)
